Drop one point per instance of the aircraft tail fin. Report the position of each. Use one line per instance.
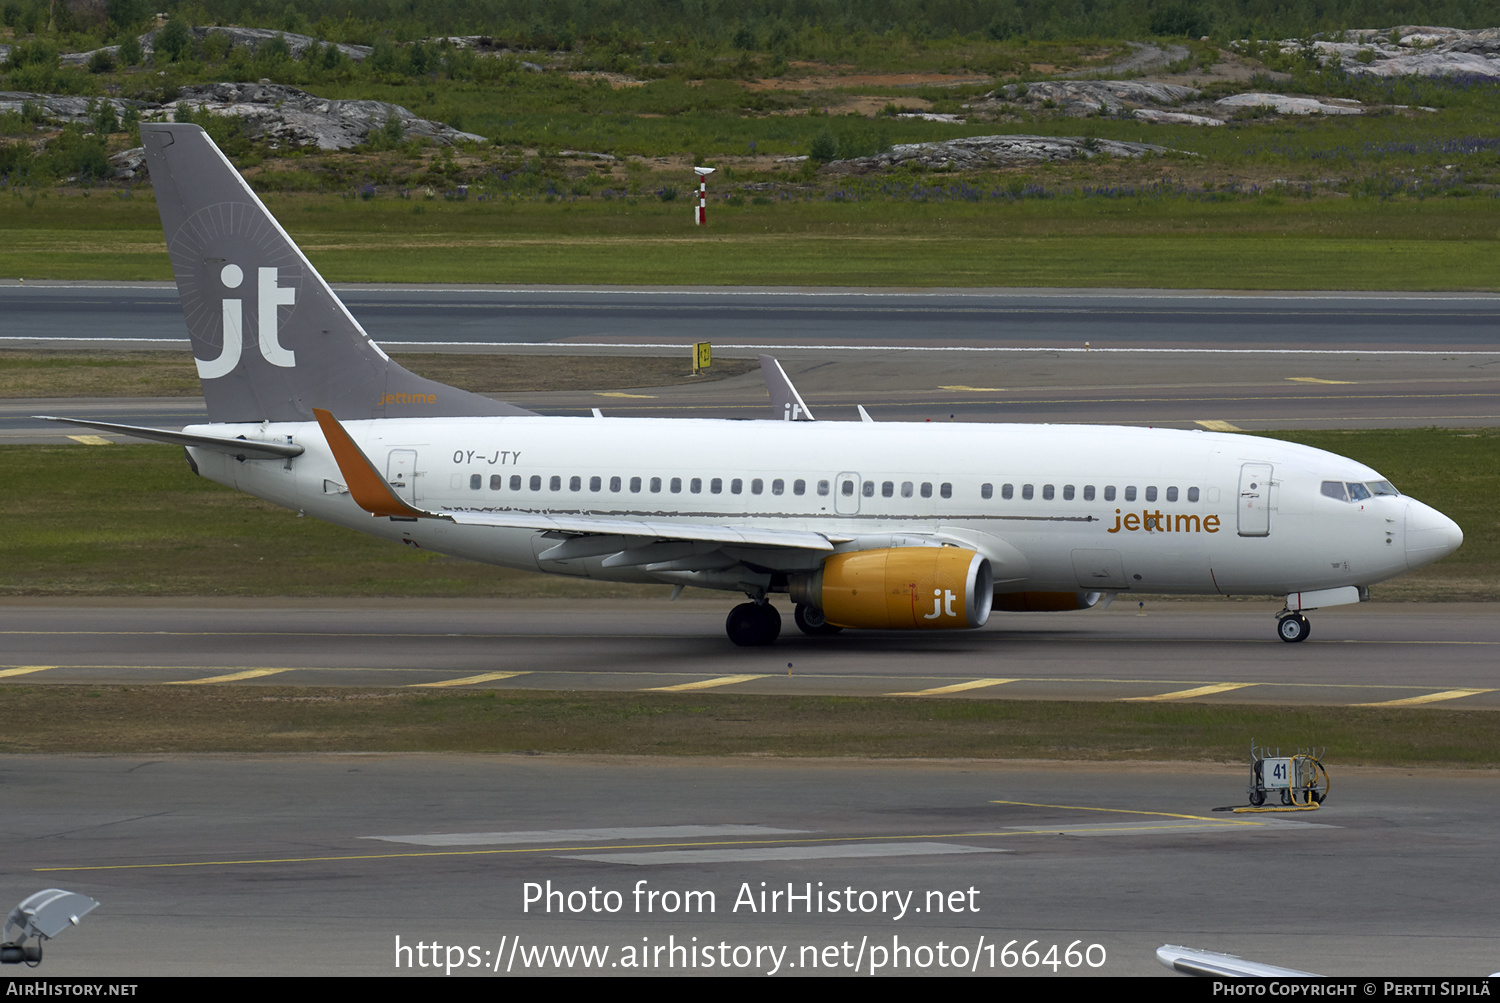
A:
(271, 339)
(786, 402)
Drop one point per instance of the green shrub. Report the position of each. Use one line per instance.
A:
(130, 51)
(217, 45)
(824, 147)
(174, 40)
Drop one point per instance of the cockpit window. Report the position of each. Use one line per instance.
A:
(1356, 491)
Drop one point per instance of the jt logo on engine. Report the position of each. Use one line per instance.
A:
(942, 604)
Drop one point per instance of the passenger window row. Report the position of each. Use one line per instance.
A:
(908, 488)
(1070, 492)
(674, 485)
(888, 489)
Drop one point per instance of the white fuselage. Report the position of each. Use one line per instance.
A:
(1054, 507)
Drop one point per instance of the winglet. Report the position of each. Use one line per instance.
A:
(368, 489)
(786, 402)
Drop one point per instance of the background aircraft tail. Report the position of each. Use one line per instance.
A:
(271, 339)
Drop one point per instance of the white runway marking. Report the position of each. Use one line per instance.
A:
(586, 835)
(726, 856)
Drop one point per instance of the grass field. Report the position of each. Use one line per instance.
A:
(1333, 244)
(134, 521)
(244, 719)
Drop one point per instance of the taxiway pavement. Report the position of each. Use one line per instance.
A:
(331, 865)
(1439, 654)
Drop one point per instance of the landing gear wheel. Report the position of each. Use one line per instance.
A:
(1293, 628)
(810, 620)
(1257, 799)
(751, 624)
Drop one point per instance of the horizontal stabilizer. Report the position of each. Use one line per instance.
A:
(243, 448)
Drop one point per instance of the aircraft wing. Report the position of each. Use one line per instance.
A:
(653, 528)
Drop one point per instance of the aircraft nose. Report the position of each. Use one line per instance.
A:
(1430, 535)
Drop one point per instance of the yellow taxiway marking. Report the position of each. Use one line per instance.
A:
(91, 440)
(976, 390)
(616, 393)
(232, 677)
(21, 670)
(483, 677)
(1314, 379)
(1425, 698)
(1197, 691)
(1214, 425)
(972, 684)
(1123, 811)
(705, 684)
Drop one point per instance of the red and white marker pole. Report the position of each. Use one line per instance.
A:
(703, 173)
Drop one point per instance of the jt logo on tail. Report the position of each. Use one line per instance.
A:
(269, 297)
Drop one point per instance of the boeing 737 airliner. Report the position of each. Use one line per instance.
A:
(890, 526)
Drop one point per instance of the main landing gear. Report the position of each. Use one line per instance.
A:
(752, 624)
(1293, 627)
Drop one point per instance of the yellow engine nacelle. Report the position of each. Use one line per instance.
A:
(1044, 602)
(901, 588)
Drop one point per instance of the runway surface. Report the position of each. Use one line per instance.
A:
(1226, 362)
(334, 864)
(1057, 318)
(1388, 654)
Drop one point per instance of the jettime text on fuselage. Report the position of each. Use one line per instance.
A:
(1159, 522)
